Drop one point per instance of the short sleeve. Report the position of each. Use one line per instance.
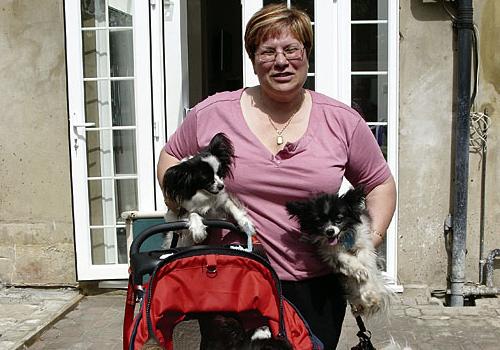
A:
(184, 140)
(366, 165)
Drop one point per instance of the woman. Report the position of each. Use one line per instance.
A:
(290, 143)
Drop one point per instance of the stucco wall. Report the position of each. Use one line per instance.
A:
(488, 19)
(427, 108)
(36, 233)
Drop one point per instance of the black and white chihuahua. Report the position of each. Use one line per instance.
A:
(196, 185)
(340, 228)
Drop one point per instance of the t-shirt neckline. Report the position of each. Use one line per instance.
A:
(290, 147)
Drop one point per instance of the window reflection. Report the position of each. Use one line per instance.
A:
(369, 96)
(122, 103)
(368, 9)
(369, 47)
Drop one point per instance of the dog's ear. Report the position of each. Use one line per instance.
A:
(222, 148)
(296, 208)
(177, 182)
(356, 198)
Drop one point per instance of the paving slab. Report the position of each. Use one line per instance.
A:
(26, 312)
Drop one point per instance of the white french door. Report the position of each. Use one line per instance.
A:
(111, 128)
(355, 60)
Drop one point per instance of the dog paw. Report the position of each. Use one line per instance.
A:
(247, 226)
(371, 301)
(199, 236)
(199, 233)
(261, 333)
(360, 274)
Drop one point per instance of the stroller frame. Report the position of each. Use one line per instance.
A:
(218, 268)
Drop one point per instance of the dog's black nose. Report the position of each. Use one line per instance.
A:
(330, 232)
(220, 187)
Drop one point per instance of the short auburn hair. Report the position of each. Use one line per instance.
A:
(274, 19)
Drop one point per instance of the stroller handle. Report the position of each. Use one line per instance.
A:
(176, 226)
(142, 263)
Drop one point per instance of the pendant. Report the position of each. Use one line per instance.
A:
(279, 140)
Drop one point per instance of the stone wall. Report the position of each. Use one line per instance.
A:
(428, 58)
(36, 230)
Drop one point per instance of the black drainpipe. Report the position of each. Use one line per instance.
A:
(464, 25)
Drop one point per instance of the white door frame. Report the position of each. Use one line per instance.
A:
(76, 107)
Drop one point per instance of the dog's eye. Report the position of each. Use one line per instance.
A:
(338, 219)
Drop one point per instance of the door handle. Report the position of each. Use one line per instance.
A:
(83, 125)
(76, 135)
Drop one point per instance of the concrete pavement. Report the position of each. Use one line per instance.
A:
(26, 312)
(95, 322)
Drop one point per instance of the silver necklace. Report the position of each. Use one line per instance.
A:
(279, 132)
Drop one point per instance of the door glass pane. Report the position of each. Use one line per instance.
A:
(368, 9)
(126, 196)
(122, 102)
(120, 13)
(305, 5)
(369, 47)
(369, 97)
(93, 13)
(97, 103)
(101, 202)
(380, 133)
(121, 53)
(103, 242)
(99, 153)
(124, 152)
(267, 2)
(95, 55)
(312, 66)
(121, 240)
(97, 241)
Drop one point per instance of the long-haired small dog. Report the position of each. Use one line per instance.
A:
(339, 227)
(226, 332)
(196, 185)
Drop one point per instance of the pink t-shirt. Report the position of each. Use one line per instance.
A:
(337, 143)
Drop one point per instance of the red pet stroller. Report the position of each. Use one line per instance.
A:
(185, 282)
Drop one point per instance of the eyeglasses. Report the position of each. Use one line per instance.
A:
(290, 53)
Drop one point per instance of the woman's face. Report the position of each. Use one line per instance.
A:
(281, 78)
